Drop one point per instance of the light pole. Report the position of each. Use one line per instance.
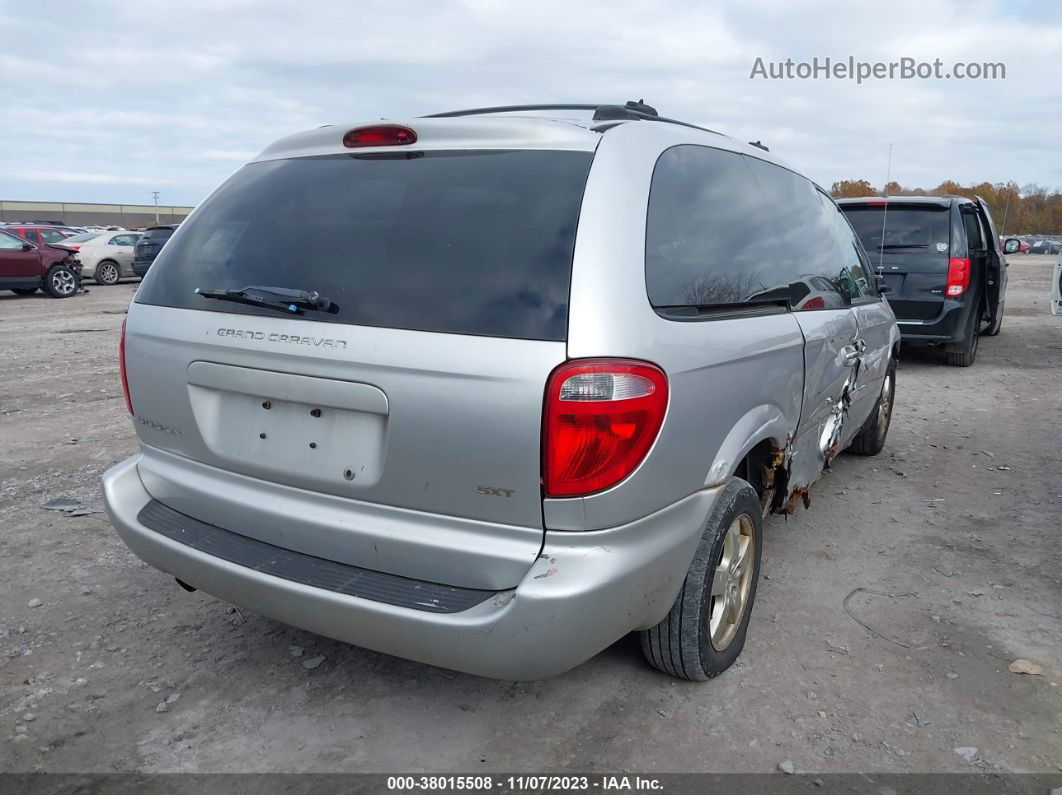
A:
(155, 193)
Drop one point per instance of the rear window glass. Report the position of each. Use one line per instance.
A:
(82, 237)
(157, 235)
(461, 242)
(906, 229)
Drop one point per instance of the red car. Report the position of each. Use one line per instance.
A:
(39, 234)
(26, 268)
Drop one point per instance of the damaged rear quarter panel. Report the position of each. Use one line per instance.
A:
(733, 383)
(826, 423)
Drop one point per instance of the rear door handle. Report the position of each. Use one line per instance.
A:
(849, 355)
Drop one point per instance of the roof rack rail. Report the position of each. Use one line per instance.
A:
(506, 108)
(602, 112)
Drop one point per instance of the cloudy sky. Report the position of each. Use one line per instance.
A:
(108, 101)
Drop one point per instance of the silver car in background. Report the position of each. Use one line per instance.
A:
(491, 390)
(106, 257)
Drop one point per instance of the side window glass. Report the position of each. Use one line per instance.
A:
(708, 233)
(857, 274)
(805, 244)
(51, 235)
(31, 236)
(974, 237)
(10, 241)
(988, 228)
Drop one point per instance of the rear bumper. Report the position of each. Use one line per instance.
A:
(585, 591)
(946, 327)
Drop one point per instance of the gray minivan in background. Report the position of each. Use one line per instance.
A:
(491, 390)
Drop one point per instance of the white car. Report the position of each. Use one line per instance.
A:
(105, 256)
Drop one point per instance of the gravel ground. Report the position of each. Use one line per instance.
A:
(946, 547)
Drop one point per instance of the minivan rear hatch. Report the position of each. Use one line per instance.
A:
(151, 242)
(910, 245)
(411, 382)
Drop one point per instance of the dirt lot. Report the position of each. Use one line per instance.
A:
(953, 532)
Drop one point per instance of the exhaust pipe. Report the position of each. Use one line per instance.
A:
(186, 586)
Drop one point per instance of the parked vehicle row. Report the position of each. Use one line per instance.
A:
(106, 256)
(71, 229)
(1037, 245)
(39, 234)
(1045, 246)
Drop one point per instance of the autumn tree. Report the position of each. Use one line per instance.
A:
(852, 189)
(950, 188)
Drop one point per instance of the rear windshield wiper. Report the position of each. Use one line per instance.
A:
(279, 298)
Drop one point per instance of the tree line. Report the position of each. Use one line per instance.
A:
(1027, 210)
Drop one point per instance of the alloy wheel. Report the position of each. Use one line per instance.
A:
(63, 282)
(107, 273)
(885, 406)
(732, 581)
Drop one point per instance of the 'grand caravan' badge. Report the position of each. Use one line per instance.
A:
(307, 340)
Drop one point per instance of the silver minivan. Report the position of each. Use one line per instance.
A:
(492, 389)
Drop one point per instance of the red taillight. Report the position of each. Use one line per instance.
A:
(74, 246)
(380, 135)
(875, 204)
(121, 369)
(818, 302)
(958, 276)
(602, 416)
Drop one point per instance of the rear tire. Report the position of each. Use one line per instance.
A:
(704, 632)
(871, 438)
(61, 281)
(107, 273)
(23, 290)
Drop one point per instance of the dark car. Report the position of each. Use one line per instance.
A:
(941, 263)
(149, 246)
(26, 268)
